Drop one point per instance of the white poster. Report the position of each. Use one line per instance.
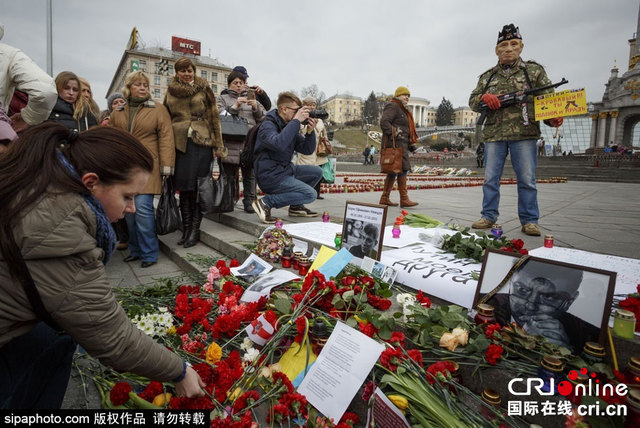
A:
(264, 284)
(427, 268)
(340, 370)
(315, 231)
(628, 270)
(254, 265)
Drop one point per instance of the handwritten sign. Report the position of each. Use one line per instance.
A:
(426, 267)
(566, 103)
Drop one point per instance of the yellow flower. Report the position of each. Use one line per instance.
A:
(462, 335)
(171, 330)
(214, 353)
(449, 341)
(400, 402)
(161, 399)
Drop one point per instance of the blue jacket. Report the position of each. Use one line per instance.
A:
(274, 149)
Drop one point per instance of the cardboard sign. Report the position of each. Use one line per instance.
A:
(571, 102)
(426, 267)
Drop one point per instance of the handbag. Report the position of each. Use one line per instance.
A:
(234, 127)
(328, 172)
(391, 157)
(324, 147)
(167, 212)
(215, 196)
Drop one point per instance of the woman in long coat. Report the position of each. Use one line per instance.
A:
(150, 123)
(397, 125)
(196, 128)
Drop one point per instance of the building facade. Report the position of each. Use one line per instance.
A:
(343, 108)
(419, 108)
(158, 63)
(464, 116)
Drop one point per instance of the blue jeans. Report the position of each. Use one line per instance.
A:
(524, 160)
(297, 189)
(35, 368)
(143, 241)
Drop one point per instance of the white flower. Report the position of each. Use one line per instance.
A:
(402, 297)
(251, 355)
(163, 309)
(246, 344)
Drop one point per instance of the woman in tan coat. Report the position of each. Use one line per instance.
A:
(398, 126)
(151, 124)
(196, 128)
(55, 230)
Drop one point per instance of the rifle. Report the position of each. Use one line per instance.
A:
(512, 98)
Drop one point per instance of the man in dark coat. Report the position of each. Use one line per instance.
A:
(284, 183)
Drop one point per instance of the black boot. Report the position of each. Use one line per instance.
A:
(248, 189)
(317, 189)
(187, 215)
(194, 234)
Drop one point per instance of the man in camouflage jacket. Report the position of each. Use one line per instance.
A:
(510, 130)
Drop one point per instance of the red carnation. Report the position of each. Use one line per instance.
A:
(119, 394)
(518, 244)
(443, 367)
(491, 328)
(415, 355)
(493, 354)
(350, 419)
(368, 328)
(397, 337)
(151, 391)
(391, 358)
(424, 300)
(245, 400)
(279, 376)
(221, 263)
(234, 263)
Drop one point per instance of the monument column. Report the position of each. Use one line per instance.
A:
(612, 127)
(602, 129)
(594, 130)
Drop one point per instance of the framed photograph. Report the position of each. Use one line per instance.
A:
(363, 229)
(379, 270)
(566, 303)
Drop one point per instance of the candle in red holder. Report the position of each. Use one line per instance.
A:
(286, 261)
(632, 419)
(296, 259)
(548, 241)
(632, 373)
(491, 399)
(485, 314)
(303, 266)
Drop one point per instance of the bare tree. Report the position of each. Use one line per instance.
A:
(314, 92)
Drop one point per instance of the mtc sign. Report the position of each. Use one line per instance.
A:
(178, 44)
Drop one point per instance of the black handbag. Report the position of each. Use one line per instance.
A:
(216, 196)
(234, 127)
(167, 212)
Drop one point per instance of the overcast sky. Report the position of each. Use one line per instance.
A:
(437, 48)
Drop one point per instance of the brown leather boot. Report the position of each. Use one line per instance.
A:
(404, 197)
(388, 186)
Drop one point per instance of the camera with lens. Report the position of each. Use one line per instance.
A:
(319, 113)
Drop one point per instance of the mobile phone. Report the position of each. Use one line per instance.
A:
(251, 94)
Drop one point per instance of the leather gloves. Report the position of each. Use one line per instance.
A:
(556, 122)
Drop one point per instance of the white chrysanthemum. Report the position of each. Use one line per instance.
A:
(402, 298)
(251, 355)
(246, 344)
(163, 309)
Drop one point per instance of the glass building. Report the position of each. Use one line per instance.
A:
(574, 134)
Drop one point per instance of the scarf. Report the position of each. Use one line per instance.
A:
(134, 104)
(413, 135)
(105, 235)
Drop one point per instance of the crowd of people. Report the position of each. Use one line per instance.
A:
(77, 183)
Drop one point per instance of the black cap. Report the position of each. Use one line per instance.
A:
(242, 70)
(509, 32)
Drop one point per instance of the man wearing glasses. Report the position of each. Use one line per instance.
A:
(369, 241)
(540, 295)
(284, 183)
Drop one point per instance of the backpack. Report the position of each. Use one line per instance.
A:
(246, 156)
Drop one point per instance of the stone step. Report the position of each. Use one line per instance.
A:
(180, 255)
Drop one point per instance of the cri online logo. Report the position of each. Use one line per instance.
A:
(547, 386)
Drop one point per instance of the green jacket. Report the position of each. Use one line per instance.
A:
(507, 123)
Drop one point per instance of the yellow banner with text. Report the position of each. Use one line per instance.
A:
(571, 102)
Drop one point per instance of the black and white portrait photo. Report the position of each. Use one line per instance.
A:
(567, 304)
(363, 229)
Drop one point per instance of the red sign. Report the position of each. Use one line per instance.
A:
(178, 44)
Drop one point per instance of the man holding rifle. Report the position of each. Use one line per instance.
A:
(510, 128)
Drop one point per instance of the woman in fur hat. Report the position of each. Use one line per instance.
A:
(114, 102)
(196, 128)
(398, 126)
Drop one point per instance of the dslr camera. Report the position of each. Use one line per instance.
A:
(319, 113)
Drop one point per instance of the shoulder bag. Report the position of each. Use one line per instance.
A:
(167, 212)
(233, 127)
(215, 196)
(324, 147)
(391, 157)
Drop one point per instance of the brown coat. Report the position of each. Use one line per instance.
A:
(56, 237)
(394, 118)
(152, 126)
(194, 107)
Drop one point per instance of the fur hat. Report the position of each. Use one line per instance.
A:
(242, 70)
(402, 90)
(508, 32)
(111, 98)
(308, 100)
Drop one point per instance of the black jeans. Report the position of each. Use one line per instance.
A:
(35, 369)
